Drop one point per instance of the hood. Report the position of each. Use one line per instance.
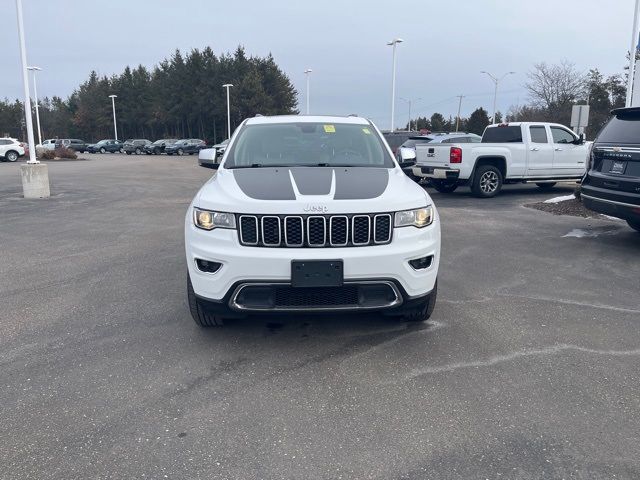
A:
(309, 190)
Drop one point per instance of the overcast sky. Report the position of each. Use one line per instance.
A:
(446, 44)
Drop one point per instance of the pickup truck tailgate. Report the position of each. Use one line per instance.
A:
(432, 155)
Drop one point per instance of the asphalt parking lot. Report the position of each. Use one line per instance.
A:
(529, 367)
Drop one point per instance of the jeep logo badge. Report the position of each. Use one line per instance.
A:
(316, 208)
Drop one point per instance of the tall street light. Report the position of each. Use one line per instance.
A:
(227, 86)
(632, 57)
(410, 101)
(459, 108)
(25, 82)
(35, 175)
(35, 94)
(496, 81)
(113, 105)
(393, 43)
(307, 72)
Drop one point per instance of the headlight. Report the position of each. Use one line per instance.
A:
(420, 217)
(208, 220)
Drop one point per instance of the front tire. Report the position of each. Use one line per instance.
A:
(487, 181)
(423, 312)
(634, 225)
(137, 151)
(11, 156)
(180, 151)
(103, 150)
(199, 312)
(443, 186)
(546, 186)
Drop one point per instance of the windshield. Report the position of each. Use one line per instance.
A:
(102, 142)
(621, 129)
(308, 144)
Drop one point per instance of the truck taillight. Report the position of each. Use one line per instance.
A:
(455, 155)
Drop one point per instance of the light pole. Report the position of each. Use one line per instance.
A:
(113, 105)
(307, 72)
(393, 43)
(25, 81)
(410, 101)
(227, 86)
(496, 81)
(632, 57)
(35, 94)
(459, 108)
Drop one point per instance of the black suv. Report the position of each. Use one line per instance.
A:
(135, 146)
(187, 145)
(72, 143)
(612, 182)
(157, 147)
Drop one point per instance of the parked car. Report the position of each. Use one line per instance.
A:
(397, 138)
(49, 144)
(208, 157)
(71, 143)
(612, 182)
(104, 146)
(135, 146)
(157, 147)
(311, 214)
(11, 149)
(543, 153)
(185, 146)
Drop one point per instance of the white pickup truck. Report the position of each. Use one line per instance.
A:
(543, 153)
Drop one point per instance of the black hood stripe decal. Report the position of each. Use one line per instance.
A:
(275, 183)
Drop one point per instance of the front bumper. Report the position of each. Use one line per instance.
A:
(379, 263)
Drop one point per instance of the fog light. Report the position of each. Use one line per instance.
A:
(421, 263)
(207, 266)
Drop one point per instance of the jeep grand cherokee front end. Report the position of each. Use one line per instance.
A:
(310, 214)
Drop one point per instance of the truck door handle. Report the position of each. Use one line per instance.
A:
(534, 149)
(558, 149)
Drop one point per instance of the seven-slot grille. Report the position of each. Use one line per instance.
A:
(315, 230)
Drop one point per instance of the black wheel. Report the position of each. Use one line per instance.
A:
(634, 225)
(137, 151)
(121, 150)
(199, 311)
(102, 150)
(444, 186)
(423, 312)
(11, 156)
(128, 153)
(546, 186)
(487, 181)
(180, 151)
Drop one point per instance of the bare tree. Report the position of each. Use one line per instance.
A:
(554, 88)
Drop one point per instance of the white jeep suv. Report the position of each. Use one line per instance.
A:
(11, 149)
(310, 214)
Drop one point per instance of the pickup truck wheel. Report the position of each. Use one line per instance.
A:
(199, 312)
(423, 312)
(11, 156)
(444, 186)
(546, 186)
(487, 181)
(634, 225)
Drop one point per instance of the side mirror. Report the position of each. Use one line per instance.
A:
(207, 158)
(406, 157)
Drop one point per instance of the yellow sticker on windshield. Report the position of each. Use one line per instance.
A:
(367, 131)
(329, 129)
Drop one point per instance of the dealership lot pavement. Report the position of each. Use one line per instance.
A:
(529, 368)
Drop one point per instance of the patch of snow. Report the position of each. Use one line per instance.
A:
(592, 232)
(564, 198)
(612, 218)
